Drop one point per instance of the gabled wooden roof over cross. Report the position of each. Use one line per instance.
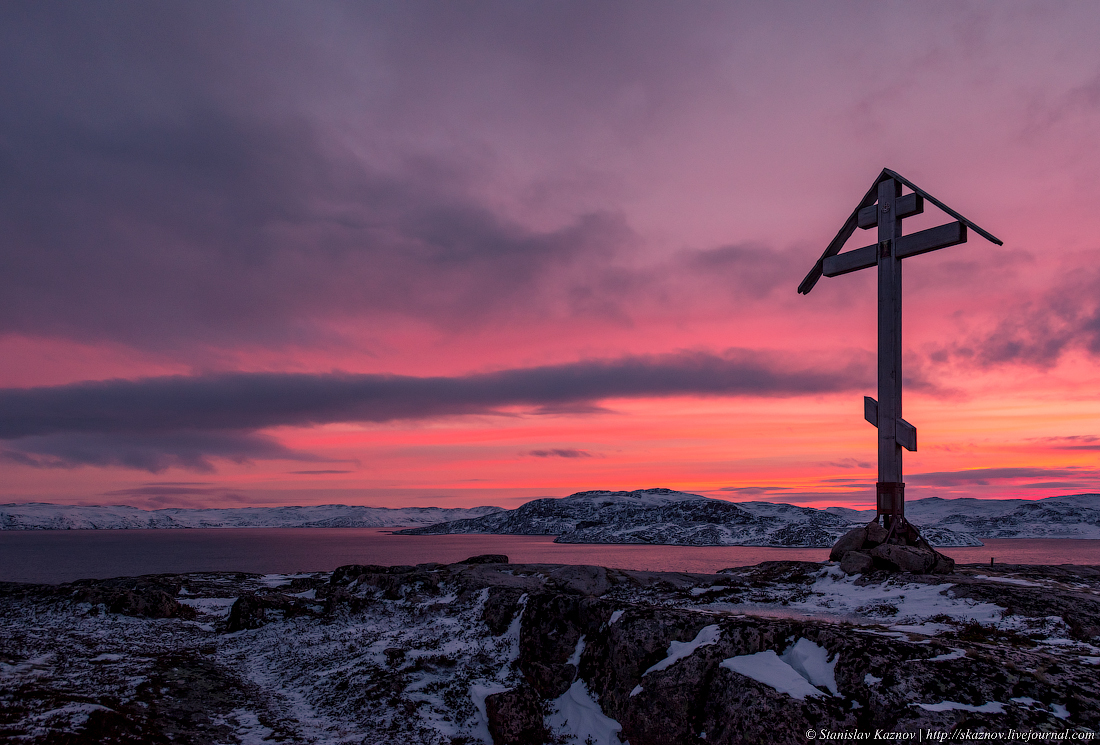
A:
(884, 207)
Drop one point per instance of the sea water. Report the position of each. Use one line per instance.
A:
(53, 556)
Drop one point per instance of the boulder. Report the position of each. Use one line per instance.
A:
(132, 597)
(500, 608)
(247, 613)
(905, 558)
(876, 534)
(856, 562)
(851, 541)
(585, 580)
(485, 559)
(516, 717)
(943, 564)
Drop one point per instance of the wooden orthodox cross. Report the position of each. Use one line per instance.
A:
(885, 206)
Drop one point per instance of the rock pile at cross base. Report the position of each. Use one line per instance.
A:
(874, 547)
(440, 653)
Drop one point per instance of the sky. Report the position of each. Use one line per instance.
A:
(465, 253)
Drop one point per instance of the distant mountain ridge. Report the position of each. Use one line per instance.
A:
(665, 516)
(645, 516)
(41, 516)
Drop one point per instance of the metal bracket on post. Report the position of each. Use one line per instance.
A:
(891, 499)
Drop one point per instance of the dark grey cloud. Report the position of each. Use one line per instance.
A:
(1037, 331)
(850, 463)
(152, 451)
(163, 490)
(560, 453)
(182, 174)
(985, 476)
(1070, 442)
(160, 422)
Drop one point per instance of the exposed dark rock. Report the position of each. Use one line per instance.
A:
(132, 597)
(364, 664)
(943, 564)
(903, 558)
(486, 559)
(876, 534)
(247, 612)
(350, 572)
(516, 717)
(585, 580)
(501, 607)
(549, 635)
(856, 562)
(901, 549)
(853, 540)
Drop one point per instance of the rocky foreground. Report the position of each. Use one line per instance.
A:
(486, 651)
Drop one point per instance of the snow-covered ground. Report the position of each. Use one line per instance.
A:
(421, 655)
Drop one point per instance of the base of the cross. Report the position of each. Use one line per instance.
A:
(895, 545)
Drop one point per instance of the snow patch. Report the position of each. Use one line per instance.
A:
(478, 693)
(992, 707)
(577, 718)
(575, 658)
(954, 654)
(1010, 581)
(767, 668)
(812, 662)
(679, 650)
(615, 617)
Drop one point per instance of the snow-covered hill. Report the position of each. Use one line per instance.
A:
(1070, 516)
(646, 516)
(38, 516)
(664, 516)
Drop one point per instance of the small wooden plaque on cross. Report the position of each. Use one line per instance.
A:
(884, 206)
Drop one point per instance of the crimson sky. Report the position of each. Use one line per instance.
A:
(476, 252)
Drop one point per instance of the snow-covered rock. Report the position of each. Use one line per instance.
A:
(480, 652)
(40, 516)
(664, 516)
(1070, 516)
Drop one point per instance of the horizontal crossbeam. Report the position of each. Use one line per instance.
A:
(868, 200)
(951, 234)
(905, 432)
(906, 206)
(932, 239)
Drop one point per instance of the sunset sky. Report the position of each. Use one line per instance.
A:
(463, 253)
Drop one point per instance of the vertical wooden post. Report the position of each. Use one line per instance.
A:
(890, 489)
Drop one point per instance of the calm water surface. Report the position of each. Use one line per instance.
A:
(65, 555)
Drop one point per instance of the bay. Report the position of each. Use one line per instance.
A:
(53, 556)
